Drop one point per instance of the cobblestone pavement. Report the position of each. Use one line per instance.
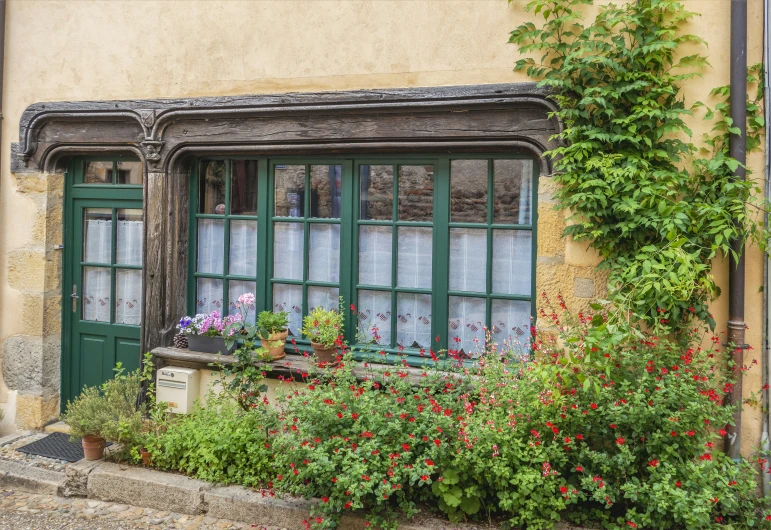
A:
(26, 511)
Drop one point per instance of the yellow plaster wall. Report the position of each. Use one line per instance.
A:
(131, 49)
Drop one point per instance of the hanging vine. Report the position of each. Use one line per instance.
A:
(657, 207)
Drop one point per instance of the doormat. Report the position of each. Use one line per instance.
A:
(56, 445)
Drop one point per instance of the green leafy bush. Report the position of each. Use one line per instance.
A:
(219, 443)
(374, 444)
(110, 410)
(605, 426)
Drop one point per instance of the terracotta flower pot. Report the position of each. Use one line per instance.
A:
(276, 344)
(93, 447)
(325, 355)
(145, 454)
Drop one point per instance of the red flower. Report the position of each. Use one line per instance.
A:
(673, 433)
(706, 456)
(612, 425)
(567, 440)
(593, 406)
(367, 434)
(325, 499)
(630, 523)
(579, 436)
(424, 478)
(678, 484)
(620, 441)
(653, 463)
(437, 442)
(355, 416)
(579, 469)
(429, 462)
(406, 447)
(691, 433)
(563, 490)
(347, 505)
(339, 414)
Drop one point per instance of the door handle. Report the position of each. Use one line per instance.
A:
(74, 297)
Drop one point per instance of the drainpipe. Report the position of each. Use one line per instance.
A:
(737, 151)
(765, 361)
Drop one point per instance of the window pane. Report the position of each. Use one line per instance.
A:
(377, 192)
(512, 261)
(243, 187)
(466, 325)
(209, 295)
(129, 237)
(511, 325)
(128, 295)
(129, 173)
(211, 245)
(290, 191)
(326, 183)
(416, 193)
(98, 173)
(235, 289)
(288, 249)
(468, 259)
(512, 191)
(414, 257)
(97, 234)
(290, 298)
(96, 294)
(468, 195)
(211, 187)
(326, 297)
(243, 248)
(375, 255)
(374, 315)
(413, 324)
(324, 253)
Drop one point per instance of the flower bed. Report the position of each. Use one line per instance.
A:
(603, 425)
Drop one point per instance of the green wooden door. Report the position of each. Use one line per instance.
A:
(102, 294)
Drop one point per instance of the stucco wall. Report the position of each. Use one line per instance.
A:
(64, 50)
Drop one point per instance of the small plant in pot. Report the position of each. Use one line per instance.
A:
(107, 413)
(324, 328)
(205, 332)
(273, 332)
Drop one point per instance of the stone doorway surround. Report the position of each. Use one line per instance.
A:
(167, 135)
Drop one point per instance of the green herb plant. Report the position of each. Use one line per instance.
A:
(324, 326)
(270, 322)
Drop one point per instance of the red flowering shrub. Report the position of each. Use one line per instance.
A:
(605, 425)
(372, 444)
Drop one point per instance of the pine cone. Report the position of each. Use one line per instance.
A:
(180, 340)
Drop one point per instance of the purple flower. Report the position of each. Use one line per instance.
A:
(185, 322)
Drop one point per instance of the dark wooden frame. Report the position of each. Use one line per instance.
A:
(167, 135)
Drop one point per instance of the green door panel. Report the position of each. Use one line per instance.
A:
(103, 238)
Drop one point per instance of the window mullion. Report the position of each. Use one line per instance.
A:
(264, 209)
(489, 267)
(226, 238)
(348, 217)
(394, 261)
(441, 250)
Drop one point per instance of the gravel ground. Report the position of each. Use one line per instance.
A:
(26, 511)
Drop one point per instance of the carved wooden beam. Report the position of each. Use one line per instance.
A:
(163, 132)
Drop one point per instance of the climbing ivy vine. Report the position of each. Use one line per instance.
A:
(656, 206)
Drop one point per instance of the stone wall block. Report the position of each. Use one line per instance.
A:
(27, 270)
(33, 412)
(32, 313)
(584, 287)
(23, 364)
(551, 225)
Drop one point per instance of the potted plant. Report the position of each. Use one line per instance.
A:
(107, 412)
(205, 332)
(324, 328)
(273, 332)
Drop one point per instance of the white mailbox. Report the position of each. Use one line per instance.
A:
(178, 387)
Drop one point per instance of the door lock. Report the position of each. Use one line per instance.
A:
(74, 297)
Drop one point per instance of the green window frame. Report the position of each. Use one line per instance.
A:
(350, 223)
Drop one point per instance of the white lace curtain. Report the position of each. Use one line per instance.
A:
(96, 280)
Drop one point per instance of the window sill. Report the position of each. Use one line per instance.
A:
(293, 366)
